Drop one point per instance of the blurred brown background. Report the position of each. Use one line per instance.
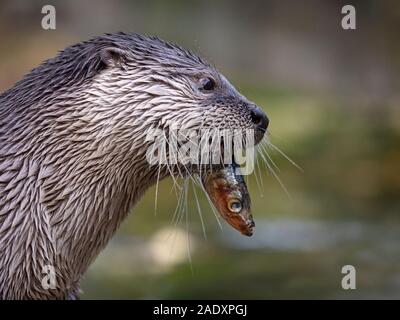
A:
(333, 99)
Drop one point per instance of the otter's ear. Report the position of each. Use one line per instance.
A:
(112, 57)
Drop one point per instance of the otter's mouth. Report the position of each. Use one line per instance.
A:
(220, 162)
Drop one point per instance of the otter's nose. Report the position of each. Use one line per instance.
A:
(259, 118)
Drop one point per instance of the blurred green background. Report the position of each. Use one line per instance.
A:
(333, 100)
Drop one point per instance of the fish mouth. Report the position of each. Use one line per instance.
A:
(245, 229)
(245, 226)
(248, 233)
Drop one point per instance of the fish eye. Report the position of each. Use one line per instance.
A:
(207, 84)
(235, 206)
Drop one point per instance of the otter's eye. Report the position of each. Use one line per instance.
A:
(235, 206)
(207, 84)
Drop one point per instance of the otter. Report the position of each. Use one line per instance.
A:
(72, 149)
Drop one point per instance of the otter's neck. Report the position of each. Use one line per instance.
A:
(69, 173)
(72, 166)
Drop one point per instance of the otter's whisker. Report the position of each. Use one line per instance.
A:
(186, 184)
(174, 230)
(177, 165)
(163, 156)
(178, 214)
(259, 181)
(186, 169)
(270, 144)
(183, 211)
(265, 151)
(175, 184)
(183, 203)
(175, 216)
(199, 209)
(157, 183)
(272, 171)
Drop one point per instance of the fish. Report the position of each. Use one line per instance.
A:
(227, 190)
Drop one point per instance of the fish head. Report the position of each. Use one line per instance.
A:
(232, 203)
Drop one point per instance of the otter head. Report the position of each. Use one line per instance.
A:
(146, 83)
(73, 143)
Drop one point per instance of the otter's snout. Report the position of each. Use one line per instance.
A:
(259, 118)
